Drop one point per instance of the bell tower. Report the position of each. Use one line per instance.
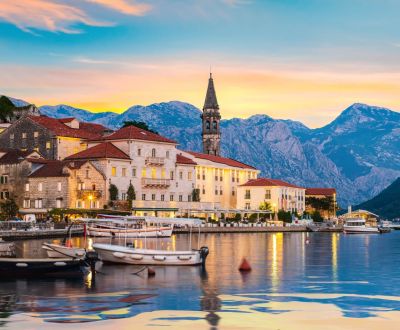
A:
(211, 132)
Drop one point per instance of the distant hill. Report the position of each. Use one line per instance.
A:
(358, 153)
(386, 204)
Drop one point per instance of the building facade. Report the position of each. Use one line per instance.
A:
(279, 195)
(323, 200)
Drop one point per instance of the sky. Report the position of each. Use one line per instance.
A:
(304, 60)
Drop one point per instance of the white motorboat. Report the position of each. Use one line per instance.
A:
(63, 251)
(135, 256)
(358, 226)
(7, 249)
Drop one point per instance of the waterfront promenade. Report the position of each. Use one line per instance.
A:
(243, 229)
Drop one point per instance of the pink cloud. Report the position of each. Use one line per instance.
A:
(124, 6)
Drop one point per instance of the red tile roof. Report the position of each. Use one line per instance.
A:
(50, 169)
(13, 156)
(321, 191)
(60, 129)
(102, 150)
(66, 120)
(184, 160)
(262, 182)
(221, 160)
(136, 133)
(92, 127)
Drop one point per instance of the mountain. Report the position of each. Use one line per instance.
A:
(386, 204)
(358, 153)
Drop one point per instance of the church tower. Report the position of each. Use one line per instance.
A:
(211, 132)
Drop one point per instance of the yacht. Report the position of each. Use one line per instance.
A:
(358, 225)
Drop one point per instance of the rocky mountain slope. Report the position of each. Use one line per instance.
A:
(358, 152)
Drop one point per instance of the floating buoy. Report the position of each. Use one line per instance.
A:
(244, 266)
(151, 272)
(307, 241)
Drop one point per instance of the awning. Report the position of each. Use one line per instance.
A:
(164, 209)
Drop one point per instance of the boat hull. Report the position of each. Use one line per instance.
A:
(59, 251)
(21, 267)
(360, 230)
(129, 233)
(132, 256)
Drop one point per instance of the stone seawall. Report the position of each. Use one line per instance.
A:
(242, 229)
(34, 234)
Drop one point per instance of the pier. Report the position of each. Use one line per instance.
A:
(33, 234)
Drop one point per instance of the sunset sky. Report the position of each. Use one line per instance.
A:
(304, 60)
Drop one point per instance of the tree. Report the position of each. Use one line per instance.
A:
(9, 209)
(285, 216)
(113, 190)
(131, 195)
(139, 124)
(196, 195)
(265, 206)
(6, 109)
(316, 216)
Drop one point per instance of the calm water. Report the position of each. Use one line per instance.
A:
(334, 281)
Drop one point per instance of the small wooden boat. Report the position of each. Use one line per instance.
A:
(62, 251)
(23, 267)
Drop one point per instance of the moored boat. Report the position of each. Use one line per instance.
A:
(358, 226)
(62, 251)
(7, 249)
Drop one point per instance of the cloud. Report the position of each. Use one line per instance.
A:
(124, 7)
(45, 15)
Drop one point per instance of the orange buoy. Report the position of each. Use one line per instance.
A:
(151, 272)
(244, 266)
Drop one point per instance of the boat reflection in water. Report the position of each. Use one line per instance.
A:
(297, 281)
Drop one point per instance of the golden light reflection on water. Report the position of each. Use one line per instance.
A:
(335, 246)
(276, 264)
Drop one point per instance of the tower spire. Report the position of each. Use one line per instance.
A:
(211, 118)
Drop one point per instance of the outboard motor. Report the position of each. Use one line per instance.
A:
(203, 254)
(91, 258)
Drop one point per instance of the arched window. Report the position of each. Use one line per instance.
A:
(215, 124)
(153, 152)
(207, 124)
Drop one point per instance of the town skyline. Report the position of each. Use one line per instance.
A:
(267, 58)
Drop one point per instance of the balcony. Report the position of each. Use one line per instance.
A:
(154, 161)
(156, 183)
(89, 194)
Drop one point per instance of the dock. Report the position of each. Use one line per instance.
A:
(35, 234)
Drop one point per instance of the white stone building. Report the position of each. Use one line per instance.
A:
(279, 194)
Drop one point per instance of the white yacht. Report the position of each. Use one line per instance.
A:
(358, 225)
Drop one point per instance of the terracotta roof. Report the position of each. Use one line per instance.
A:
(221, 160)
(321, 191)
(50, 169)
(66, 120)
(92, 127)
(13, 156)
(136, 133)
(60, 129)
(184, 160)
(102, 150)
(262, 182)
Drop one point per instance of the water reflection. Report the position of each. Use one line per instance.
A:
(344, 277)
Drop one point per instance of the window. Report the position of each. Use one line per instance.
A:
(247, 194)
(180, 175)
(189, 198)
(233, 191)
(144, 172)
(267, 194)
(198, 175)
(139, 152)
(216, 190)
(48, 145)
(153, 197)
(163, 173)
(189, 175)
(40, 186)
(113, 171)
(24, 135)
(58, 203)
(171, 198)
(153, 152)
(123, 171)
(220, 191)
(180, 198)
(204, 174)
(247, 206)
(162, 198)
(207, 124)
(12, 136)
(38, 203)
(4, 179)
(171, 175)
(221, 173)
(87, 174)
(153, 173)
(59, 186)
(123, 196)
(93, 187)
(167, 154)
(204, 190)
(215, 124)
(27, 203)
(35, 134)
(143, 197)
(134, 172)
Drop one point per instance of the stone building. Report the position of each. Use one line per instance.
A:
(211, 132)
(322, 200)
(15, 166)
(280, 195)
(64, 184)
(53, 138)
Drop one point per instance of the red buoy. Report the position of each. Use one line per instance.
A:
(151, 272)
(244, 266)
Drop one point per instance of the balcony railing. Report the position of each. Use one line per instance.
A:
(156, 183)
(87, 193)
(155, 161)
